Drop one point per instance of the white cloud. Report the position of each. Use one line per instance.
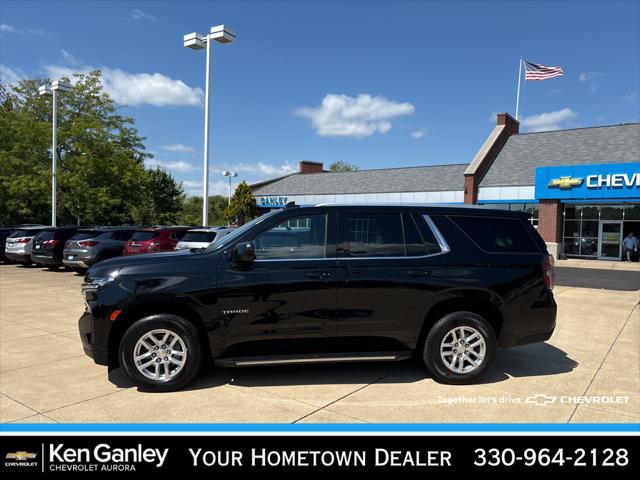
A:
(592, 79)
(6, 28)
(138, 14)
(261, 168)
(178, 166)
(419, 133)
(194, 188)
(362, 116)
(631, 97)
(548, 121)
(178, 147)
(11, 75)
(134, 88)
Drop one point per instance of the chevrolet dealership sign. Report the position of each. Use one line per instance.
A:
(603, 181)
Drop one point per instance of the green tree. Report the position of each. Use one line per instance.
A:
(341, 166)
(102, 178)
(243, 206)
(191, 213)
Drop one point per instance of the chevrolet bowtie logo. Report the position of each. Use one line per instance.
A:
(21, 456)
(565, 183)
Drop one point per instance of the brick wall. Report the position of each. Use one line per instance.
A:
(550, 220)
(307, 166)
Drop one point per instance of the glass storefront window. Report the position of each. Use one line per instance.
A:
(572, 228)
(632, 212)
(589, 228)
(611, 212)
(588, 211)
(570, 212)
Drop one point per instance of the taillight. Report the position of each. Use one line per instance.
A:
(549, 274)
(22, 240)
(154, 245)
(50, 243)
(88, 244)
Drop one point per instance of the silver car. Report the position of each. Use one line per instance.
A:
(18, 244)
(203, 237)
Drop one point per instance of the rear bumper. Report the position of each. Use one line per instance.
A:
(531, 325)
(75, 263)
(87, 336)
(18, 257)
(47, 260)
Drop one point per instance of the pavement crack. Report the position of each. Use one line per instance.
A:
(382, 377)
(615, 340)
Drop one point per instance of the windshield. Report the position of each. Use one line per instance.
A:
(239, 232)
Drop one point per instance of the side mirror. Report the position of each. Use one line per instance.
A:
(244, 253)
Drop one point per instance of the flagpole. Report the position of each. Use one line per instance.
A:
(518, 94)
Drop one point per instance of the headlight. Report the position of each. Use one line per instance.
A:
(95, 283)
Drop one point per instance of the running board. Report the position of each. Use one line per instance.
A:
(313, 358)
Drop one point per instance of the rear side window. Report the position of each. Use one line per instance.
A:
(121, 235)
(419, 241)
(375, 234)
(18, 234)
(497, 235)
(144, 235)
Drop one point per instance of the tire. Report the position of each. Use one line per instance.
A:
(52, 268)
(179, 376)
(79, 270)
(441, 335)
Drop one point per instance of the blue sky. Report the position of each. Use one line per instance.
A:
(377, 84)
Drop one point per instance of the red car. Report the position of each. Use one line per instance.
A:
(154, 239)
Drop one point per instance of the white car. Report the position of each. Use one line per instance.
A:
(18, 244)
(203, 237)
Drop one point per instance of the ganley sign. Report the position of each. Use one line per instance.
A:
(272, 202)
(602, 181)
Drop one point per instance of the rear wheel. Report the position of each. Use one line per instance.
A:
(460, 348)
(161, 352)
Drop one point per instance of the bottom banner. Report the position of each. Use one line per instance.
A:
(193, 455)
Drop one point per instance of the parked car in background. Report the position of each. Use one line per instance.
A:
(154, 239)
(203, 237)
(324, 284)
(47, 246)
(18, 244)
(89, 246)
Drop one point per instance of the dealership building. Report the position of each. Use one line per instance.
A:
(581, 186)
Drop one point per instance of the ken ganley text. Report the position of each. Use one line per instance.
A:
(262, 457)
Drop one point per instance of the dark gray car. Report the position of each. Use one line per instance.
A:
(90, 246)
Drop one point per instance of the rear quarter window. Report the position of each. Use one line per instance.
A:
(497, 234)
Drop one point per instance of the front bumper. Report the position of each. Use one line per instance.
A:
(88, 338)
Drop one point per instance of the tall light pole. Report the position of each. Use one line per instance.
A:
(53, 89)
(230, 175)
(195, 41)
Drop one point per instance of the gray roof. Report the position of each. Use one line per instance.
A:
(521, 154)
(435, 178)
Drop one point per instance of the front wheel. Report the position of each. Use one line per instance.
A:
(460, 348)
(161, 352)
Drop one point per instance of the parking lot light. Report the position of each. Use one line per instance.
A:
(195, 41)
(53, 89)
(230, 175)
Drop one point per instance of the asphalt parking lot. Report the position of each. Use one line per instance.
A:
(582, 374)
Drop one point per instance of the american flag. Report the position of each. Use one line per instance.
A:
(533, 71)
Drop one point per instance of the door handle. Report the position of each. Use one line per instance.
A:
(419, 273)
(318, 275)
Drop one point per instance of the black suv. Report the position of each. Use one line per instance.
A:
(48, 245)
(327, 284)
